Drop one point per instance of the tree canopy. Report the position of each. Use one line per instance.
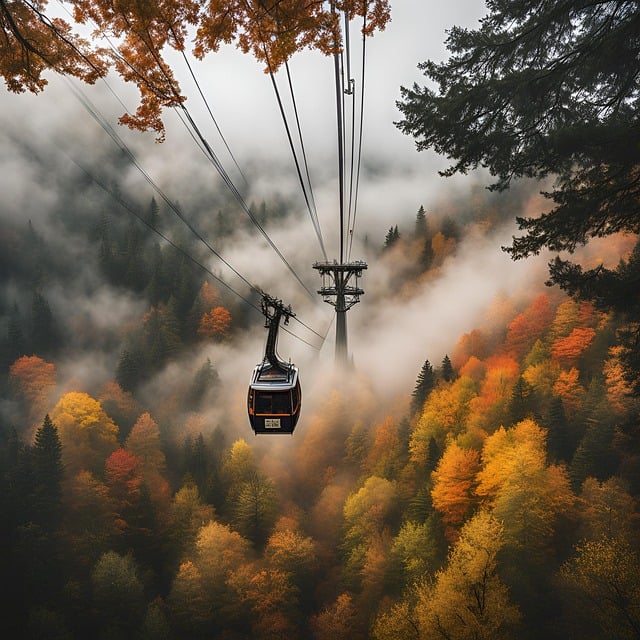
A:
(545, 90)
(141, 34)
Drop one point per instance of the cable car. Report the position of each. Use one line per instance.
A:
(274, 397)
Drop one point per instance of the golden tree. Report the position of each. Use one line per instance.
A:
(144, 33)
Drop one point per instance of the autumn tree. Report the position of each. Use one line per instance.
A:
(269, 597)
(339, 620)
(87, 433)
(396, 623)
(144, 443)
(293, 553)
(118, 596)
(559, 103)
(528, 326)
(490, 406)
(187, 512)
(33, 42)
(32, 379)
(369, 513)
(600, 586)
(445, 412)
(215, 323)
(453, 486)
(467, 599)
(416, 550)
(607, 510)
(201, 594)
(526, 492)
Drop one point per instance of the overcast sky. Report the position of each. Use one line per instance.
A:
(243, 102)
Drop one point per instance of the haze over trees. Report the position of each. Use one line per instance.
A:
(497, 498)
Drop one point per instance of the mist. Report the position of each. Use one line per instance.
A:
(389, 337)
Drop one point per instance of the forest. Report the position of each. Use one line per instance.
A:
(495, 498)
(478, 481)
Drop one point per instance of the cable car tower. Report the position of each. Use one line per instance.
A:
(340, 289)
(340, 279)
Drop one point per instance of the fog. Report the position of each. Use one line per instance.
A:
(46, 138)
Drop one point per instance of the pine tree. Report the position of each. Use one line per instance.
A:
(131, 368)
(520, 403)
(16, 342)
(153, 216)
(43, 326)
(48, 471)
(421, 222)
(424, 384)
(446, 370)
(205, 380)
(393, 235)
(558, 440)
(427, 255)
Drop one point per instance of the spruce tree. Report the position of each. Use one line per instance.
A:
(43, 327)
(520, 402)
(421, 222)
(446, 370)
(48, 473)
(393, 235)
(424, 384)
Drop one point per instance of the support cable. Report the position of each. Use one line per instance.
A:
(210, 154)
(336, 65)
(361, 128)
(215, 122)
(129, 208)
(314, 220)
(304, 157)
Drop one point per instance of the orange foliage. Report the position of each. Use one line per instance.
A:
(442, 247)
(31, 42)
(474, 369)
(528, 326)
(123, 475)
(567, 350)
(384, 453)
(497, 386)
(215, 323)
(570, 390)
(473, 344)
(33, 379)
(340, 620)
(453, 486)
(30, 45)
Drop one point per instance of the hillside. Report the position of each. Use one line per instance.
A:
(493, 495)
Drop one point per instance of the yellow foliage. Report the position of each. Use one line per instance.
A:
(87, 433)
(445, 412)
(467, 599)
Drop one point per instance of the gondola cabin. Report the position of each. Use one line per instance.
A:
(274, 398)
